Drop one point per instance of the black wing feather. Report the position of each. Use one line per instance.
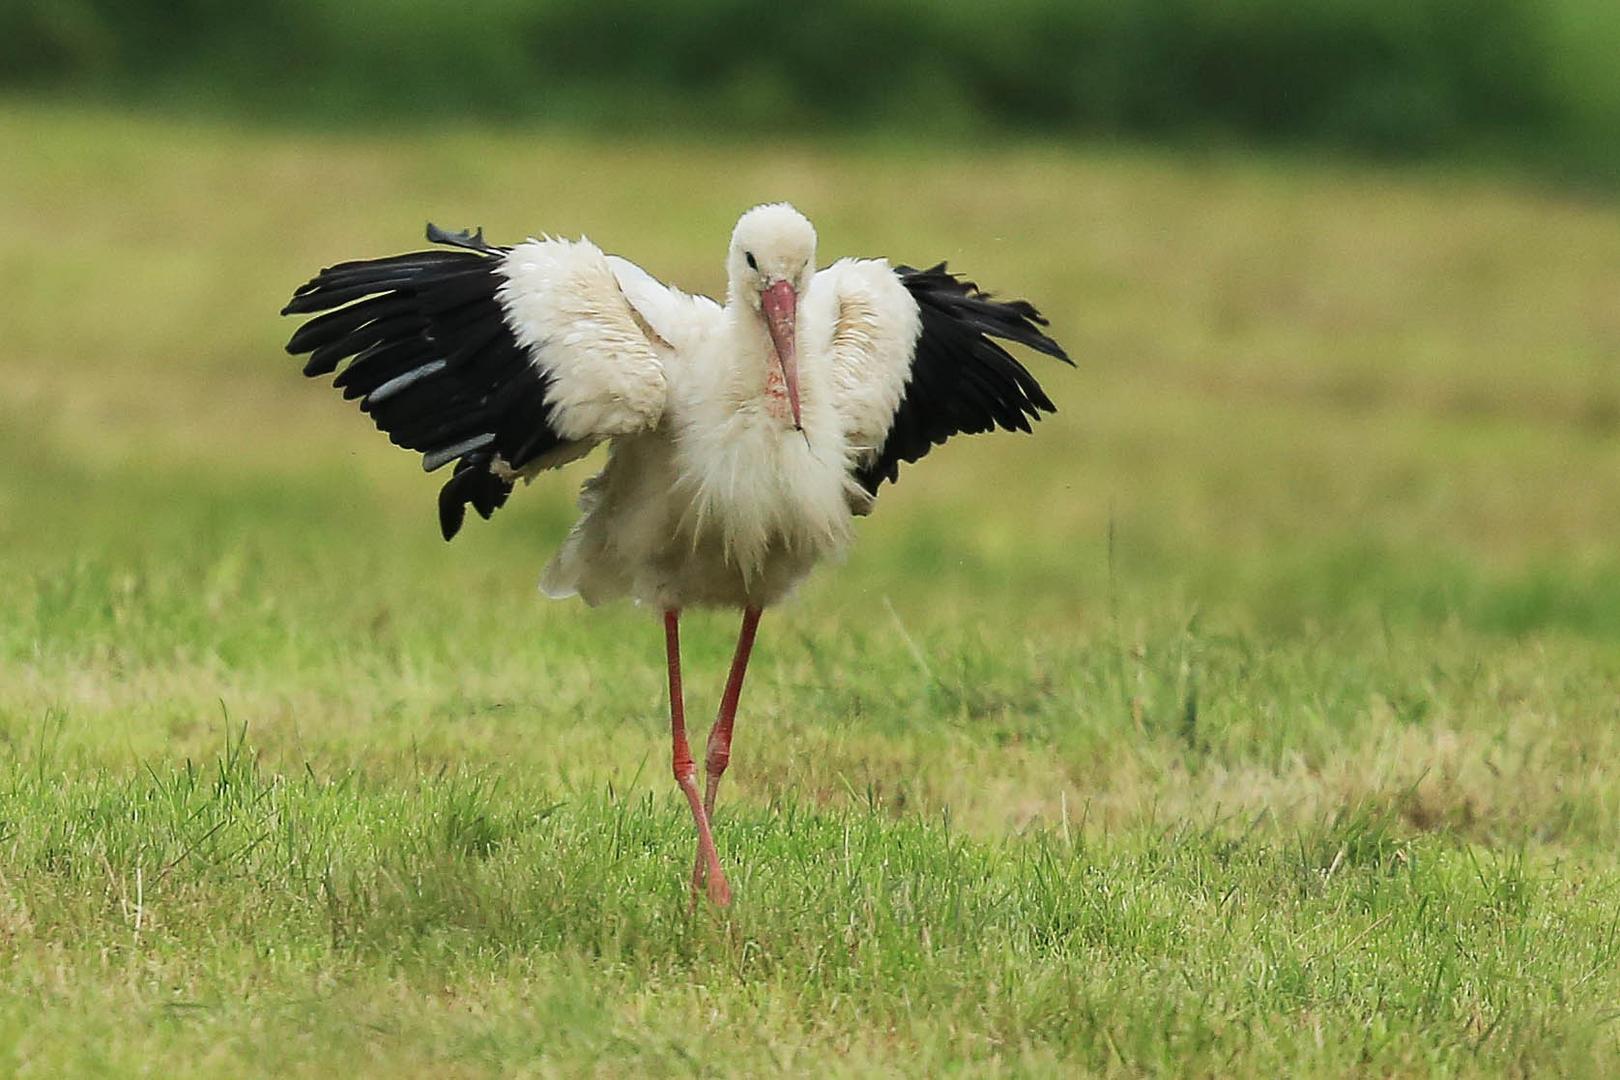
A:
(433, 363)
(962, 381)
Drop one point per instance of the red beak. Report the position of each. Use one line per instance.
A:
(781, 309)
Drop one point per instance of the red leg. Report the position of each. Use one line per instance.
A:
(719, 750)
(686, 769)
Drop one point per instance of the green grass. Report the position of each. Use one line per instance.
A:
(1257, 717)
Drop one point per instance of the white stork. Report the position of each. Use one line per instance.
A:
(744, 438)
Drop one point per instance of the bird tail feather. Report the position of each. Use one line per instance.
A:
(560, 579)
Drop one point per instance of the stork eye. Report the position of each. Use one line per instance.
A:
(752, 265)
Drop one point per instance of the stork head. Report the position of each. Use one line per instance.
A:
(773, 256)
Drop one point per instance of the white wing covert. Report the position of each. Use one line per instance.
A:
(915, 361)
(667, 315)
(872, 325)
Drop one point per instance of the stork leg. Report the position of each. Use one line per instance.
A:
(686, 769)
(719, 749)
(718, 755)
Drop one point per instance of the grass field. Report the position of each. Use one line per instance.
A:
(1260, 716)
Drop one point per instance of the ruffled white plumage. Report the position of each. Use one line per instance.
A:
(708, 497)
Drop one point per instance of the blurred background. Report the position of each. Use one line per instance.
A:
(1342, 279)
(1519, 79)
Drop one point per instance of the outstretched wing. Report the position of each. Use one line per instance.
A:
(916, 359)
(504, 360)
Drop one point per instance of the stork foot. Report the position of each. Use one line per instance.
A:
(707, 876)
(710, 881)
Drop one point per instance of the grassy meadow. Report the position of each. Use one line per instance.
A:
(1260, 715)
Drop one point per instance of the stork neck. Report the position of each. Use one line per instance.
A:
(751, 340)
(757, 371)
